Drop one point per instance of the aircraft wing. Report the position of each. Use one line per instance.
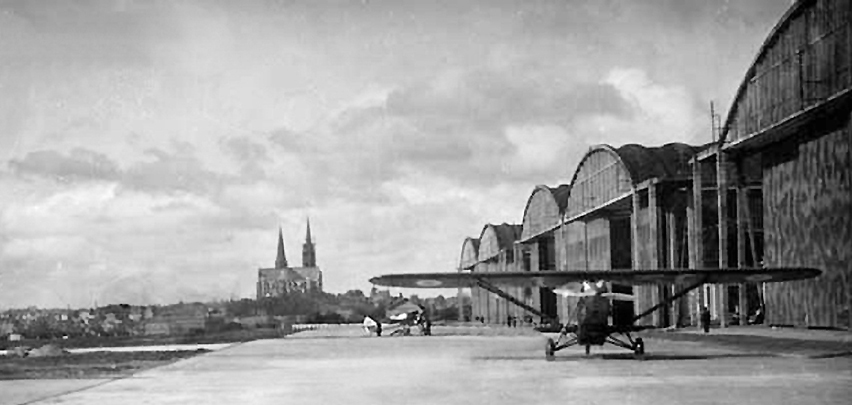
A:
(628, 277)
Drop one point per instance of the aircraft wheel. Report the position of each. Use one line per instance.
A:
(639, 347)
(549, 349)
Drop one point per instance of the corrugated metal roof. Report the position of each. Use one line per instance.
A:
(474, 241)
(507, 234)
(469, 263)
(669, 161)
(785, 21)
(561, 194)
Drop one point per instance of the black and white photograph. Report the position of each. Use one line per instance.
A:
(425, 202)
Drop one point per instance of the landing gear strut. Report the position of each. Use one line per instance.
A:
(549, 347)
(638, 348)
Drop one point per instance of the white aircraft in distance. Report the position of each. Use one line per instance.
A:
(400, 320)
(371, 326)
(595, 304)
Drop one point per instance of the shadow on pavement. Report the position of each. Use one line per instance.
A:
(630, 356)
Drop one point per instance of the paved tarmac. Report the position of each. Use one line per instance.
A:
(840, 336)
(149, 348)
(351, 369)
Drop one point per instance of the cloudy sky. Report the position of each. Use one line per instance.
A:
(149, 150)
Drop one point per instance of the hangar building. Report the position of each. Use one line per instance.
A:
(782, 170)
(775, 190)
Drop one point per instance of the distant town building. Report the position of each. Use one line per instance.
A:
(283, 279)
(380, 296)
(178, 320)
(6, 328)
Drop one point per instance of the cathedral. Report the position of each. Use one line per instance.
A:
(283, 279)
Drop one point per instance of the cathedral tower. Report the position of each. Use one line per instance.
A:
(281, 260)
(309, 254)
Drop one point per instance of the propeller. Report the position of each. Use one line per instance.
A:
(588, 289)
(573, 293)
(618, 296)
(574, 289)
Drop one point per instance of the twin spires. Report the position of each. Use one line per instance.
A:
(309, 255)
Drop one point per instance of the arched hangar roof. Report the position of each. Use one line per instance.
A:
(670, 161)
(642, 162)
(606, 174)
(469, 253)
(800, 62)
(544, 209)
(495, 238)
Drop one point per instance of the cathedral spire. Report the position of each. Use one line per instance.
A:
(308, 233)
(281, 260)
(309, 254)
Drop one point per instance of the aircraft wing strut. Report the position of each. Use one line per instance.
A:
(671, 299)
(500, 293)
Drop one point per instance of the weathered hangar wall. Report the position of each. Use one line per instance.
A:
(599, 251)
(528, 261)
(595, 240)
(574, 242)
(600, 244)
(575, 245)
(467, 262)
(660, 221)
(644, 258)
(792, 108)
(600, 179)
(496, 253)
(542, 217)
(803, 62)
(544, 244)
(674, 254)
(808, 222)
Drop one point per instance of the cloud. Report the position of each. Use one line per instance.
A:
(79, 164)
(406, 164)
(487, 99)
(249, 154)
(123, 245)
(663, 113)
(163, 172)
(58, 246)
(480, 128)
(245, 150)
(541, 151)
(462, 124)
(112, 33)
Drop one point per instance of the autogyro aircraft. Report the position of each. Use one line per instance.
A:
(595, 304)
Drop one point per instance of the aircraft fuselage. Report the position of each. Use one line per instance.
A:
(593, 320)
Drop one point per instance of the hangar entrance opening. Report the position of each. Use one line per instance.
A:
(547, 262)
(620, 258)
